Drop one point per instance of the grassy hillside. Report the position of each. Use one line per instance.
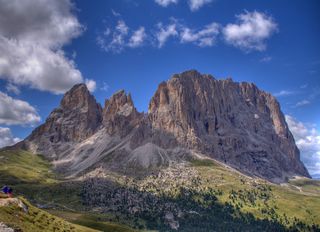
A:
(300, 198)
(34, 219)
(31, 176)
(202, 191)
(96, 221)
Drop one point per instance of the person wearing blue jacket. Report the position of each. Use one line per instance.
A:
(5, 189)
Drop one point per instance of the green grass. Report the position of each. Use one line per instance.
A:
(23, 167)
(31, 176)
(96, 221)
(302, 203)
(36, 220)
(203, 163)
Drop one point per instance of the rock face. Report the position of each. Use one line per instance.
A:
(119, 114)
(235, 123)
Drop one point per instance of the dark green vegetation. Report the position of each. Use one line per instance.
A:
(199, 196)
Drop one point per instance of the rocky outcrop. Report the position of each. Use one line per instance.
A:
(76, 119)
(5, 228)
(235, 123)
(4, 202)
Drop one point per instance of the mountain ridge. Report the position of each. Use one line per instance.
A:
(235, 123)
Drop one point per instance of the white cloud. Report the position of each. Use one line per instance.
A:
(166, 3)
(165, 32)
(308, 141)
(197, 4)
(302, 103)
(251, 31)
(122, 28)
(45, 23)
(36, 66)
(105, 87)
(115, 13)
(203, 38)
(137, 38)
(283, 93)
(32, 34)
(11, 88)
(115, 40)
(6, 137)
(266, 59)
(91, 85)
(16, 112)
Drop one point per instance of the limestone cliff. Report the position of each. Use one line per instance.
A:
(234, 123)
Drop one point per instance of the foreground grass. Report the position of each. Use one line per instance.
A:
(96, 221)
(34, 219)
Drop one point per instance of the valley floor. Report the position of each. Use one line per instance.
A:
(200, 195)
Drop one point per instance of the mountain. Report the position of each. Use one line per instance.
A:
(190, 115)
(208, 155)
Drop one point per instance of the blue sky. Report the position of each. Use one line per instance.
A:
(47, 46)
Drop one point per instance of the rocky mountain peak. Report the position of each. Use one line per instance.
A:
(235, 123)
(120, 103)
(78, 117)
(77, 97)
(120, 114)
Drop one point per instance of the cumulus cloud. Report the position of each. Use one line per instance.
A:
(251, 31)
(166, 3)
(36, 66)
(197, 4)
(16, 112)
(6, 137)
(308, 141)
(137, 38)
(165, 32)
(204, 37)
(32, 34)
